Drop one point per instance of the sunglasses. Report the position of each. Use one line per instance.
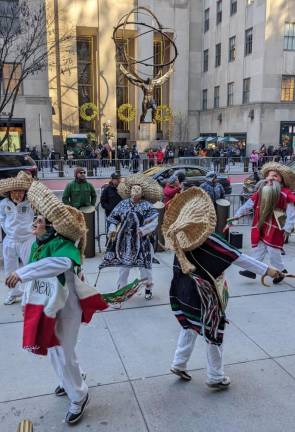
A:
(82, 172)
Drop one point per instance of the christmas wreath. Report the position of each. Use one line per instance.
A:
(88, 111)
(126, 112)
(163, 113)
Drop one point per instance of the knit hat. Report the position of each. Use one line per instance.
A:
(22, 181)
(172, 179)
(211, 175)
(151, 190)
(66, 220)
(188, 222)
(285, 172)
(77, 170)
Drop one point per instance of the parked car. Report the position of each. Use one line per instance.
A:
(195, 175)
(12, 163)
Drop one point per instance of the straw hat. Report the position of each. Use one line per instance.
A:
(188, 222)
(151, 189)
(22, 181)
(285, 172)
(66, 220)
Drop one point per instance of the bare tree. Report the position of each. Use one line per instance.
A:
(27, 38)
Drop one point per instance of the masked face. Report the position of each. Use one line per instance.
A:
(269, 196)
(136, 193)
(39, 226)
(273, 176)
(17, 196)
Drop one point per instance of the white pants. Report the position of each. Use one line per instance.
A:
(64, 358)
(185, 346)
(12, 251)
(124, 273)
(275, 256)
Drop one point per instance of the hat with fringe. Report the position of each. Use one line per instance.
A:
(285, 172)
(151, 190)
(22, 181)
(66, 220)
(188, 222)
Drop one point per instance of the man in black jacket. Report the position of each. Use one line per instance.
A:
(109, 196)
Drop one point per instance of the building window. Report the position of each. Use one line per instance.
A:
(248, 41)
(85, 77)
(206, 20)
(205, 60)
(289, 37)
(218, 55)
(205, 100)
(8, 16)
(218, 11)
(287, 88)
(230, 94)
(216, 97)
(232, 49)
(246, 90)
(11, 74)
(233, 6)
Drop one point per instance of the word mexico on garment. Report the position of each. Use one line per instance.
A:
(43, 287)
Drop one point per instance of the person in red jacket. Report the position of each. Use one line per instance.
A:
(159, 156)
(172, 188)
(274, 215)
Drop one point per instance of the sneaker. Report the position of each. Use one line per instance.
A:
(223, 384)
(247, 274)
(72, 418)
(148, 294)
(182, 374)
(60, 391)
(10, 300)
(280, 278)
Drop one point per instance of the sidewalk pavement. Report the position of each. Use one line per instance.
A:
(127, 355)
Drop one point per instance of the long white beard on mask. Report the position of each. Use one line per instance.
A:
(269, 196)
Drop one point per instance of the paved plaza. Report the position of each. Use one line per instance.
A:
(127, 354)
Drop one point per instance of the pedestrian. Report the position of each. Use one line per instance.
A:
(216, 160)
(159, 156)
(274, 215)
(254, 160)
(151, 157)
(134, 156)
(34, 154)
(131, 223)
(109, 195)
(212, 186)
(79, 192)
(171, 188)
(45, 154)
(16, 218)
(52, 159)
(198, 292)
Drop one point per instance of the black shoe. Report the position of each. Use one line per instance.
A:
(60, 391)
(247, 274)
(283, 252)
(156, 261)
(280, 278)
(148, 294)
(74, 418)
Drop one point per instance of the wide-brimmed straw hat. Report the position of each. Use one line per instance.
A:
(66, 220)
(188, 222)
(285, 172)
(151, 190)
(22, 181)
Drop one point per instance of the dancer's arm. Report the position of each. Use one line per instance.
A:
(244, 209)
(251, 264)
(149, 227)
(44, 268)
(290, 220)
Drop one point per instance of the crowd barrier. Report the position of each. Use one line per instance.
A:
(104, 167)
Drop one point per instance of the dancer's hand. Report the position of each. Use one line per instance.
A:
(112, 235)
(274, 273)
(12, 280)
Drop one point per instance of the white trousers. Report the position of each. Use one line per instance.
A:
(185, 346)
(64, 358)
(13, 251)
(124, 273)
(275, 256)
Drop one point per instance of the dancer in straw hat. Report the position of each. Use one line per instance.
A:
(57, 300)
(16, 217)
(131, 223)
(198, 293)
(274, 215)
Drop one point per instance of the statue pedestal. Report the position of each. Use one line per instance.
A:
(147, 135)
